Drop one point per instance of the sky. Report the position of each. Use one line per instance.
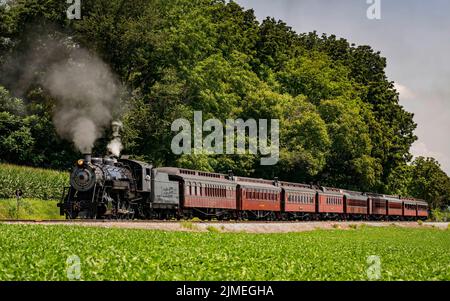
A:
(414, 36)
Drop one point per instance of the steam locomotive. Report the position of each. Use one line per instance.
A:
(111, 188)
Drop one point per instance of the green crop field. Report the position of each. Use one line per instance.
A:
(33, 252)
(45, 184)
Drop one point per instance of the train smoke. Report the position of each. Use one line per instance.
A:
(115, 146)
(85, 90)
(86, 93)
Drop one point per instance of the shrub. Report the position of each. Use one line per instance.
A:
(438, 215)
(212, 229)
(188, 225)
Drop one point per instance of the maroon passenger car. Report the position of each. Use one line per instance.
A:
(204, 190)
(377, 206)
(355, 203)
(298, 200)
(394, 206)
(258, 197)
(409, 207)
(330, 201)
(422, 209)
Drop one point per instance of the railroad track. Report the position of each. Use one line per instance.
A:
(64, 221)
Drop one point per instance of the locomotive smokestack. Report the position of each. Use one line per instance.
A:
(87, 158)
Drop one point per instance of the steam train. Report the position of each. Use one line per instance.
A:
(110, 188)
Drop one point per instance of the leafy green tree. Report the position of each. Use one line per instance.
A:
(350, 162)
(399, 181)
(220, 87)
(429, 182)
(277, 43)
(16, 141)
(317, 77)
(305, 141)
(391, 127)
(27, 134)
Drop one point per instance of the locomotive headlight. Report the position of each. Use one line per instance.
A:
(80, 162)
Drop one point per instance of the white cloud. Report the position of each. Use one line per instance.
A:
(405, 92)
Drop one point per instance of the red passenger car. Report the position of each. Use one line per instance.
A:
(355, 203)
(422, 209)
(298, 200)
(394, 206)
(330, 200)
(409, 208)
(203, 189)
(260, 197)
(377, 205)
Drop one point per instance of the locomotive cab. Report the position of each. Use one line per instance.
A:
(142, 173)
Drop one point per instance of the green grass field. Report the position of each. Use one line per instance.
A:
(31, 252)
(30, 209)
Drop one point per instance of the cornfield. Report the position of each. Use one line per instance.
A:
(35, 183)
